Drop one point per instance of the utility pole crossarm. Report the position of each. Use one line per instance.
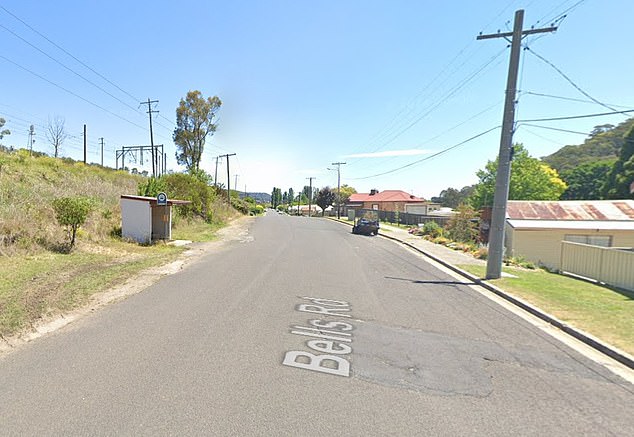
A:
(524, 33)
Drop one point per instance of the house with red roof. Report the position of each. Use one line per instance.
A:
(390, 200)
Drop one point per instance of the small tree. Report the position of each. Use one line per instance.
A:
(3, 132)
(325, 198)
(56, 134)
(72, 212)
(462, 226)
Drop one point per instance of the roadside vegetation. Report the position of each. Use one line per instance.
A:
(60, 231)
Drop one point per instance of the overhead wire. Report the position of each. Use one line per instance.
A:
(574, 117)
(427, 158)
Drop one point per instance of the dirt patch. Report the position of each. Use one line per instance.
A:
(237, 230)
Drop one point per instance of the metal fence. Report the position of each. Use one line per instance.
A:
(611, 265)
(403, 218)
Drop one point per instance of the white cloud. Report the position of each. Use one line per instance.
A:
(390, 153)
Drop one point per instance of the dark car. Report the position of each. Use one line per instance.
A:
(366, 226)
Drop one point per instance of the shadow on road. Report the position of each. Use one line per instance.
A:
(418, 281)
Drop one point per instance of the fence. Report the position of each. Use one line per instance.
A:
(404, 218)
(611, 265)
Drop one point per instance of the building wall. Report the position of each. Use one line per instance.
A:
(136, 220)
(388, 206)
(161, 222)
(543, 246)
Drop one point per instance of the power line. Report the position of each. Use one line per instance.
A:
(570, 99)
(567, 78)
(553, 128)
(428, 157)
(69, 54)
(68, 68)
(573, 117)
(444, 98)
(70, 92)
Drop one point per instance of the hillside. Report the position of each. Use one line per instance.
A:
(28, 185)
(39, 278)
(603, 144)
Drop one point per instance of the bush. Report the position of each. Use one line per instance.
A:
(432, 229)
(519, 261)
(463, 226)
(72, 212)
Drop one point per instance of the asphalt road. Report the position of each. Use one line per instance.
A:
(306, 329)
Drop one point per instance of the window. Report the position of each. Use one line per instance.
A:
(375, 206)
(594, 240)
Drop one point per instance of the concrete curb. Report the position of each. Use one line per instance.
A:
(606, 349)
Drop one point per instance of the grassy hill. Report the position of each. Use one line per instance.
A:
(28, 186)
(603, 144)
(37, 278)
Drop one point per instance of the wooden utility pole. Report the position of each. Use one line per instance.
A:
(498, 213)
(216, 172)
(85, 145)
(310, 194)
(150, 111)
(228, 177)
(338, 164)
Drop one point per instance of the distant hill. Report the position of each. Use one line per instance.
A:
(259, 197)
(603, 144)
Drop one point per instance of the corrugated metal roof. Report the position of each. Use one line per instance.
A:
(571, 210)
(572, 225)
(385, 196)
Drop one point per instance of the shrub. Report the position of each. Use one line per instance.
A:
(481, 253)
(519, 261)
(432, 229)
(463, 226)
(72, 212)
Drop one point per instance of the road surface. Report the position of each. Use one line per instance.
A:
(303, 329)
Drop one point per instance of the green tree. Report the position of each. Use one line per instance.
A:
(346, 191)
(621, 176)
(531, 179)
(276, 197)
(194, 123)
(3, 132)
(603, 143)
(586, 181)
(291, 196)
(452, 197)
(72, 212)
(325, 197)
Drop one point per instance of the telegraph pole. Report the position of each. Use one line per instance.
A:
(150, 111)
(236, 181)
(31, 139)
(216, 172)
(85, 145)
(228, 177)
(498, 213)
(338, 164)
(101, 141)
(310, 194)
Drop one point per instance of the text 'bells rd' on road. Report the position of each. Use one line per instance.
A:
(332, 338)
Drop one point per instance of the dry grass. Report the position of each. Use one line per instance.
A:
(36, 278)
(28, 186)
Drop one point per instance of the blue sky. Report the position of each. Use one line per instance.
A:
(376, 84)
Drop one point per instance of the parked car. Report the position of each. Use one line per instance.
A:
(365, 226)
